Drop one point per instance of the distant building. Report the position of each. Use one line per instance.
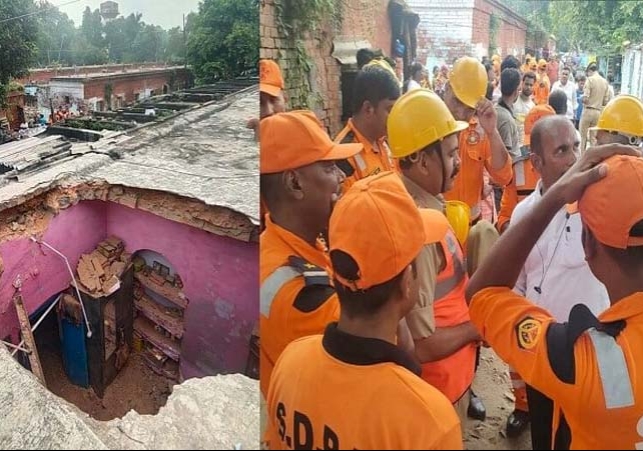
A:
(109, 10)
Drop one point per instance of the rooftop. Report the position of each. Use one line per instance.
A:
(98, 75)
(206, 153)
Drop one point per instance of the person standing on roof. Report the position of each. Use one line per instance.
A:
(587, 365)
(375, 91)
(424, 137)
(353, 388)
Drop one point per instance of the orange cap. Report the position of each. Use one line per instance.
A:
(295, 139)
(611, 206)
(530, 120)
(270, 80)
(377, 223)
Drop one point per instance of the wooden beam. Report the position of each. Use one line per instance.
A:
(27, 336)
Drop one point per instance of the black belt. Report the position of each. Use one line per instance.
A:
(592, 108)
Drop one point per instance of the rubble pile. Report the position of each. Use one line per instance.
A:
(100, 271)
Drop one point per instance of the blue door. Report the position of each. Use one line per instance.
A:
(72, 340)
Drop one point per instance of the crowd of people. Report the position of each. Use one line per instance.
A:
(381, 275)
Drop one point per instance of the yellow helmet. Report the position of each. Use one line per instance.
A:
(623, 114)
(381, 62)
(417, 119)
(468, 80)
(459, 215)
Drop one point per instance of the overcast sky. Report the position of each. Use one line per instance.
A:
(166, 13)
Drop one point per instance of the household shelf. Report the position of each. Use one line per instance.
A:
(169, 292)
(169, 319)
(146, 329)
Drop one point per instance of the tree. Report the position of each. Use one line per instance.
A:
(17, 40)
(56, 33)
(224, 41)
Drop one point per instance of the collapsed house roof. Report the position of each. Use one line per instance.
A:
(203, 151)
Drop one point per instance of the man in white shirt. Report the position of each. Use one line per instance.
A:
(569, 88)
(417, 73)
(556, 275)
(523, 103)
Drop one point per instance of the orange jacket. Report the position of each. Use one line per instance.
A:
(296, 298)
(541, 93)
(590, 368)
(452, 375)
(320, 399)
(369, 161)
(475, 156)
(522, 185)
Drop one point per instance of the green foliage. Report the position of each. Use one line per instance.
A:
(224, 40)
(295, 19)
(598, 26)
(17, 41)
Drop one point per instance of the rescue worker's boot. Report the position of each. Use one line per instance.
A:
(476, 408)
(517, 422)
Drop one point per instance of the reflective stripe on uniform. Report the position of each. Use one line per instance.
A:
(519, 173)
(359, 160)
(271, 286)
(612, 367)
(444, 287)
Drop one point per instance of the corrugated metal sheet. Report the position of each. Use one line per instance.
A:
(632, 73)
(29, 153)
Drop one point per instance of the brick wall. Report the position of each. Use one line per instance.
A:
(445, 30)
(367, 19)
(513, 28)
(450, 29)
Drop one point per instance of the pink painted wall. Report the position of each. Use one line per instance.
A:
(220, 277)
(75, 231)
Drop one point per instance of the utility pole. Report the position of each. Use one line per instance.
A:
(185, 43)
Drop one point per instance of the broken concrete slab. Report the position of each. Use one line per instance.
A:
(33, 418)
(215, 412)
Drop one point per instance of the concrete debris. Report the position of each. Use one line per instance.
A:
(215, 412)
(100, 271)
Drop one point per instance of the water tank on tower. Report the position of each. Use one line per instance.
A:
(109, 10)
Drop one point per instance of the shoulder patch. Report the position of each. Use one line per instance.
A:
(528, 332)
(313, 274)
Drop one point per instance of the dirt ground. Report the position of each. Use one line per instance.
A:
(135, 387)
(492, 385)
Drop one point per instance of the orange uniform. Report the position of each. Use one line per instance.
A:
(453, 375)
(336, 410)
(475, 155)
(541, 93)
(525, 176)
(371, 160)
(296, 297)
(594, 379)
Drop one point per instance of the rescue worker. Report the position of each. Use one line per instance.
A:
(271, 93)
(353, 388)
(299, 183)
(375, 91)
(424, 137)
(621, 122)
(480, 147)
(587, 365)
(525, 177)
(543, 85)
